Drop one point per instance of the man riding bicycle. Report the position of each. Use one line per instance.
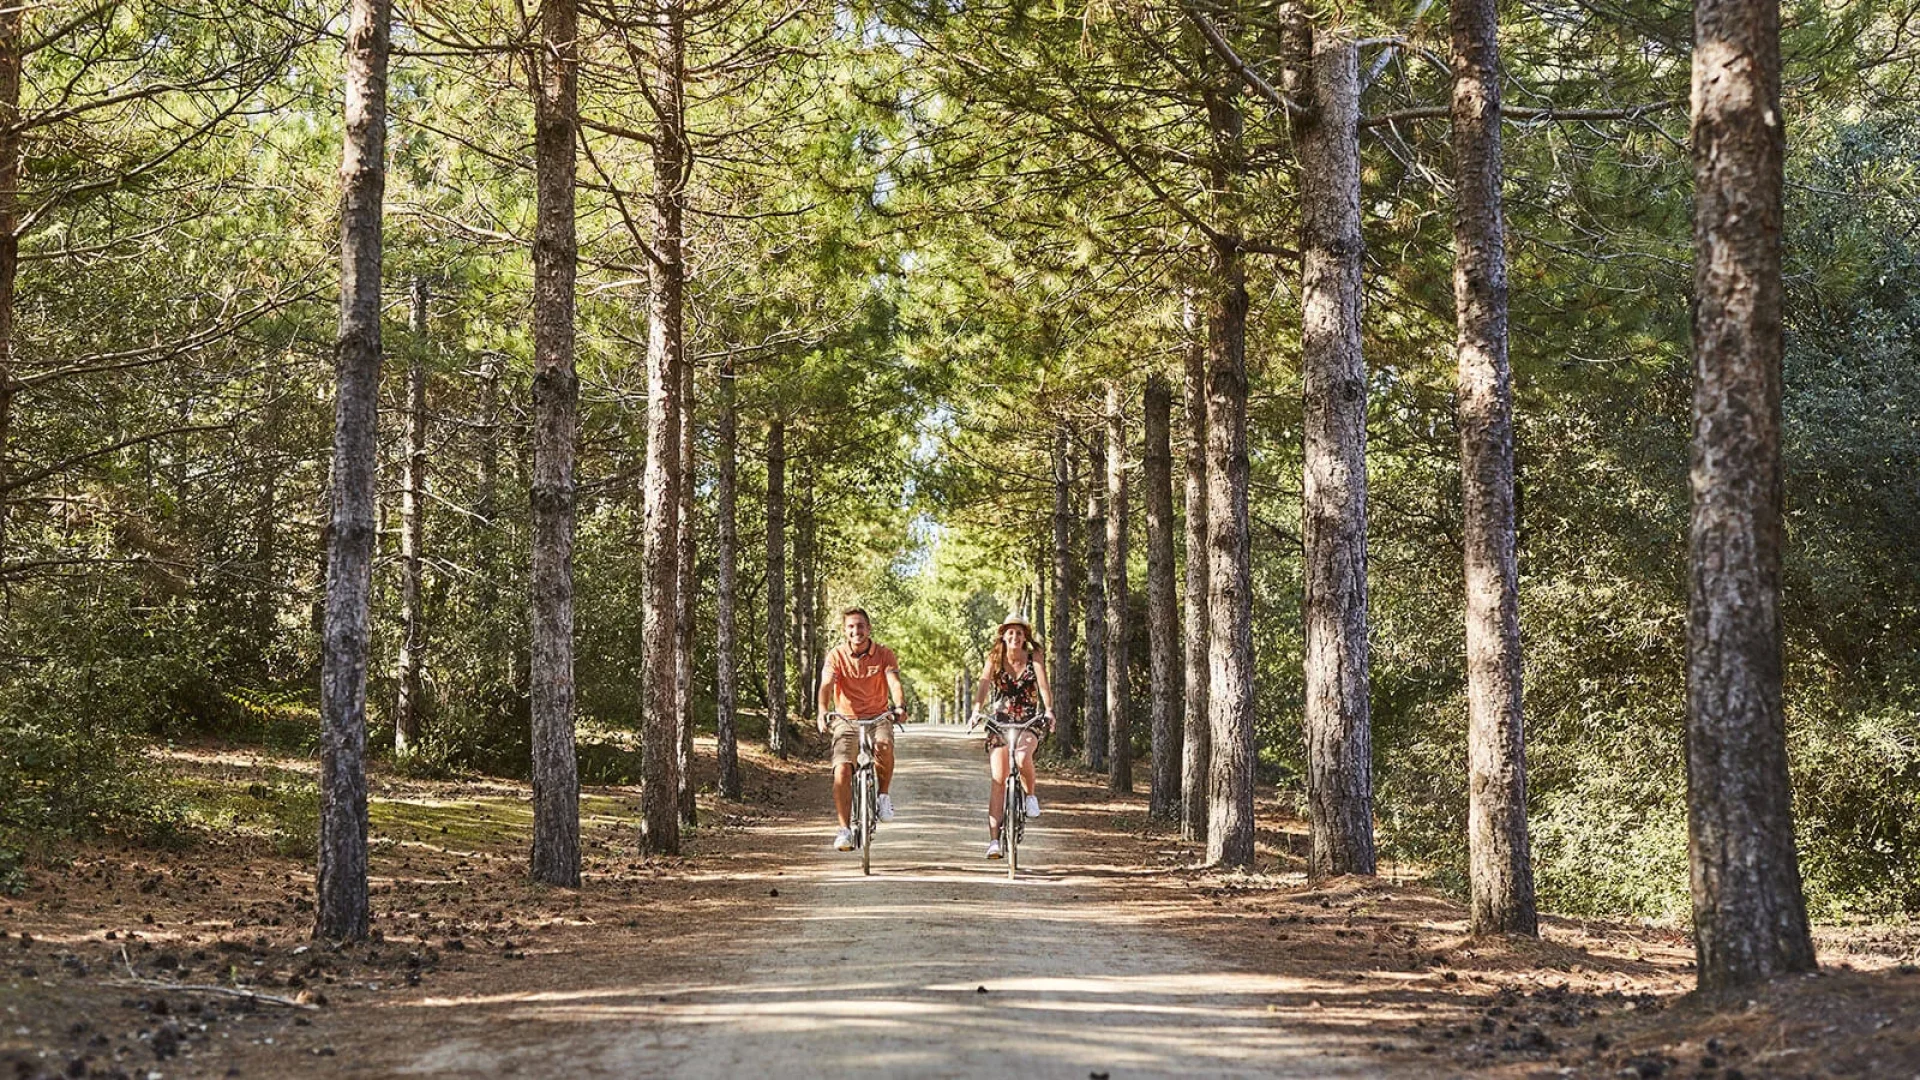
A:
(861, 679)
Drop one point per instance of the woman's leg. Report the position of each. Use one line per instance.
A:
(1028, 742)
(997, 792)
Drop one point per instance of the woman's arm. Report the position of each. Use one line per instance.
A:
(1040, 679)
(980, 692)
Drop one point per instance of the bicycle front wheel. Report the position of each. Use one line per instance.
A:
(869, 814)
(1010, 824)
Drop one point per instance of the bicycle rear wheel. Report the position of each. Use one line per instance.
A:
(1013, 811)
(869, 814)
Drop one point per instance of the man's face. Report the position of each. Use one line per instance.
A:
(858, 632)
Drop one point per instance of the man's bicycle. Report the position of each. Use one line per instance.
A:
(1013, 803)
(866, 785)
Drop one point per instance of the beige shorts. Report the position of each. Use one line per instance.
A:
(846, 739)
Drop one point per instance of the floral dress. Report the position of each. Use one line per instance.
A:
(1017, 696)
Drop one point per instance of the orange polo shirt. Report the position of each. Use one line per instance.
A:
(860, 682)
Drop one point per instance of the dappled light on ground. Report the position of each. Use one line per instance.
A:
(760, 949)
(937, 960)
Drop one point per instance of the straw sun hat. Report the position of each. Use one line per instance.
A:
(1014, 621)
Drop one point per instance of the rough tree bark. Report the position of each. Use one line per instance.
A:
(413, 497)
(12, 29)
(1062, 660)
(1096, 604)
(1500, 864)
(1042, 563)
(799, 510)
(684, 607)
(486, 508)
(556, 411)
(341, 906)
(777, 589)
(1334, 513)
(1163, 620)
(1229, 574)
(660, 781)
(725, 692)
(265, 556)
(1196, 745)
(806, 597)
(1229, 569)
(1749, 914)
(1119, 691)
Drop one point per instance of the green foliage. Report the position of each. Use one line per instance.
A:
(281, 808)
(76, 731)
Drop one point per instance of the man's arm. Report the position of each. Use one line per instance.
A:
(826, 697)
(898, 692)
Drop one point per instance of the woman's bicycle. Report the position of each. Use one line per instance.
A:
(1013, 803)
(866, 786)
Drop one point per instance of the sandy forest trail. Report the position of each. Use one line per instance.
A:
(763, 952)
(937, 965)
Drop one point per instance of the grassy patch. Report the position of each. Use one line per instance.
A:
(279, 807)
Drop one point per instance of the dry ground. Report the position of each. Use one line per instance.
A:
(115, 965)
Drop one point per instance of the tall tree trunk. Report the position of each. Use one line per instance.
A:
(684, 605)
(802, 615)
(341, 909)
(1229, 568)
(12, 31)
(1334, 381)
(660, 789)
(1230, 827)
(413, 492)
(266, 558)
(777, 589)
(725, 693)
(1042, 570)
(556, 408)
(1062, 661)
(1500, 865)
(1749, 916)
(1119, 691)
(1096, 683)
(810, 613)
(1163, 620)
(486, 509)
(1196, 745)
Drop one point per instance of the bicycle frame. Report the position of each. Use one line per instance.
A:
(866, 786)
(1013, 803)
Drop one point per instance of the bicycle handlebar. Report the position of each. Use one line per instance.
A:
(999, 718)
(869, 721)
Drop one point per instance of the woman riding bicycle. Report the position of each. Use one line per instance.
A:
(1016, 681)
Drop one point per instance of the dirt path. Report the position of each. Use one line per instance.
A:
(764, 952)
(937, 965)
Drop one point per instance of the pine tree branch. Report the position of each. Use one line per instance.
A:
(1523, 114)
(1224, 49)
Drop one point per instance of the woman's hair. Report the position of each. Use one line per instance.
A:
(997, 654)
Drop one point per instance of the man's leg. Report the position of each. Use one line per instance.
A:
(883, 764)
(843, 793)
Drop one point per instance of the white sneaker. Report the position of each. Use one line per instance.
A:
(1033, 807)
(993, 850)
(886, 808)
(843, 840)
